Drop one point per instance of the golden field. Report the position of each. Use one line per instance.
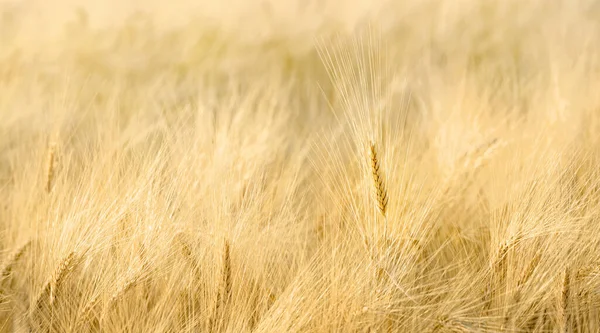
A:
(300, 166)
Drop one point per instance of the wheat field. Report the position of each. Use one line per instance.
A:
(300, 166)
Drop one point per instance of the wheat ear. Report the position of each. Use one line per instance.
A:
(50, 165)
(12, 260)
(188, 254)
(498, 269)
(499, 261)
(131, 281)
(530, 269)
(378, 182)
(520, 283)
(226, 282)
(57, 278)
(564, 300)
(133, 277)
(224, 292)
(89, 307)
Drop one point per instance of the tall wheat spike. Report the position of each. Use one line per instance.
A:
(378, 182)
(51, 286)
(89, 308)
(498, 269)
(224, 293)
(530, 269)
(564, 301)
(189, 255)
(47, 296)
(12, 260)
(131, 281)
(50, 165)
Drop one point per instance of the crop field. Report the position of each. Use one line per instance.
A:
(299, 166)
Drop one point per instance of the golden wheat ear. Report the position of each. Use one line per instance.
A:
(131, 281)
(188, 255)
(12, 259)
(88, 309)
(50, 166)
(564, 300)
(50, 288)
(224, 293)
(378, 182)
